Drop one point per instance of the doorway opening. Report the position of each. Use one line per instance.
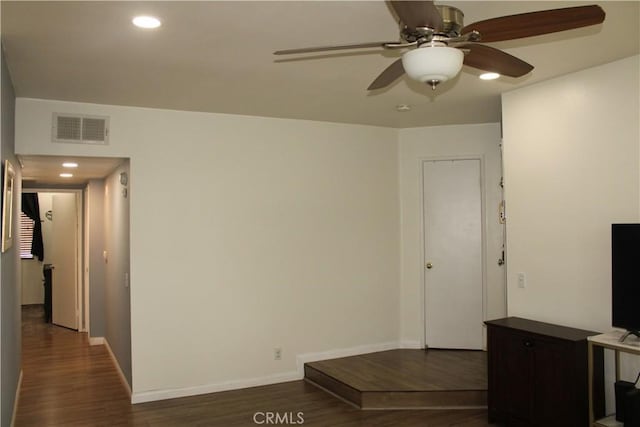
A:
(59, 260)
(84, 272)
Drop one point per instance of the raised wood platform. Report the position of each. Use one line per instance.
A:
(405, 379)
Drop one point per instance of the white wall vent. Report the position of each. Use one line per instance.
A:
(80, 129)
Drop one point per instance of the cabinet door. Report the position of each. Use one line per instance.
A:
(552, 396)
(510, 375)
(497, 380)
(519, 374)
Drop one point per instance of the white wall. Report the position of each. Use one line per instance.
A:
(571, 148)
(246, 234)
(415, 145)
(567, 181)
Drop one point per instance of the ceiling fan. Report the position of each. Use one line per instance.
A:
(442, 44)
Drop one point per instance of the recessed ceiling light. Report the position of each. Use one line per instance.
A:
(403, 107)
(69, 165)
(146, 22)
(66, 175)
(489, 76)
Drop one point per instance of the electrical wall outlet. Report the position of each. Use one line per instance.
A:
(277, 353)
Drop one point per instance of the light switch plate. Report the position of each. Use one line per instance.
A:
(522, 280)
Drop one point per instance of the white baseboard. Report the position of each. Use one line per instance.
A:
(149, 396)
(298, 374)
(96, 340)
(411, 345)
(15, 401)
(123, 379)
(342, 352)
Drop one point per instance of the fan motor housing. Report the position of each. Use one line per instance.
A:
(452, 23)
(452, 20)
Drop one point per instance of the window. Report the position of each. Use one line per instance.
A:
(26, 236)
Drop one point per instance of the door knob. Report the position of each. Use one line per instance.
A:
(429, 266)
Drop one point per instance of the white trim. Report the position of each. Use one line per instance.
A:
(423, 252)
(117, 365)
(411, 344)
(153, 395)
(301, 359)
(504, 227)
(96, 340)
(16, 401)
(149, 396)
(80, 262)
(84, 265)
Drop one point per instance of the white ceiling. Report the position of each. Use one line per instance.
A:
(42, 171)
(217, 56)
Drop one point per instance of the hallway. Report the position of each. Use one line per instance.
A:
(66, 382)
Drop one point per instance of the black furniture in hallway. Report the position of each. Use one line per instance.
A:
(48, 283)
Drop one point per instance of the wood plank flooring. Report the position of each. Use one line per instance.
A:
(410, 370)
(66, 382)
(401, 379)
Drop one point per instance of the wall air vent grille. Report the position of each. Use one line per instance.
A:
(69, 128)
(93, 129)
(80, 129)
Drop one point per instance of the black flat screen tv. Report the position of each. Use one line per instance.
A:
(625, 277)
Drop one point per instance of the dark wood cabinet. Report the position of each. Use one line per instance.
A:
(48, 283)
(538, 374)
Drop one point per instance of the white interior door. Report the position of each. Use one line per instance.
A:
(453, 254)
(64, 229)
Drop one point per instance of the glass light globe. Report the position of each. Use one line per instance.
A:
(433, 64)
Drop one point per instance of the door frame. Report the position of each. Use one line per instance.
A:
(82, 285)
(484, 248)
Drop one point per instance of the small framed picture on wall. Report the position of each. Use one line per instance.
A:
(8, 188)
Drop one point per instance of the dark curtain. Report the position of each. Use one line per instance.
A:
(31, 208)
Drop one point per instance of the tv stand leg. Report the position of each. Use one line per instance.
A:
(626, 334)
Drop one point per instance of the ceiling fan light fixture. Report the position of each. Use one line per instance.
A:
(433, 63)
(489, 76)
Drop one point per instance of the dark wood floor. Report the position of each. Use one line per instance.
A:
(66, 382)
(410, 370)
(406, 379)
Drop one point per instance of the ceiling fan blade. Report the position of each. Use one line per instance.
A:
(388, 76)
(488, 58)
(536, 23)
(418, 13)
(329, 48)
